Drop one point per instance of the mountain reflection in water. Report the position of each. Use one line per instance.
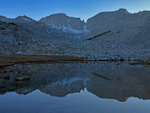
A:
(118, 81)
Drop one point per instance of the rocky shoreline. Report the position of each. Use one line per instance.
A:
(19, 59)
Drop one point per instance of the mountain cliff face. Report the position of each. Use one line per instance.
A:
(108, 35)
(123, 25)
(63, 22)
(117, 20)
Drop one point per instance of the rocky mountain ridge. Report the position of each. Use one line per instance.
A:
(108, 35)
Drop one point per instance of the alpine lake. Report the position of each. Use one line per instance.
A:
(75, 87)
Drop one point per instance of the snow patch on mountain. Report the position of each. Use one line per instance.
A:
(65, 23)
(68, 28)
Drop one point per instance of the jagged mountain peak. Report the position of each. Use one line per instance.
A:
(4, 19)
(56, 15)
(24, 18)
(59, 14)
(65, 23)
(122, 10)
(2, 16)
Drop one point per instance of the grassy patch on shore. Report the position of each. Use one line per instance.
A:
(13, 59)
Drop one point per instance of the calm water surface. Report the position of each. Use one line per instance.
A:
(75, 88)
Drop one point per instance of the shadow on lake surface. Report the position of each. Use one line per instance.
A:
(75, 87)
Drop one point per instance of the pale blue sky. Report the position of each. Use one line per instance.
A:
(77, 8)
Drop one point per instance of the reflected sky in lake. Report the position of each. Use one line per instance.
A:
(75, 88)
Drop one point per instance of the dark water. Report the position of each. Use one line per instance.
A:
(75, 88)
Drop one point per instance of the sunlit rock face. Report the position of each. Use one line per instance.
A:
(65, 23)
(118, 81)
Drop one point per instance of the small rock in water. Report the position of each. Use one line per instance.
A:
(2, 87)
(148, 62)
(5, 77)
(2, 71)
(5, 72)
(24, 78)
(135, 62)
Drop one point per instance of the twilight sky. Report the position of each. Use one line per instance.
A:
(76, 8)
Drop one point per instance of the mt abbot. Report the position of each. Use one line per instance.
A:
(115, 35)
